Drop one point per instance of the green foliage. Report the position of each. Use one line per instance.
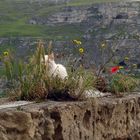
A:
(88, 2)
(31, 80)
(122, 83)
(1, 71)
(24, 78)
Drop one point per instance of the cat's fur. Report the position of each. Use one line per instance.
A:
(55, 69)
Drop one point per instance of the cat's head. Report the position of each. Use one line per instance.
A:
(49, 59)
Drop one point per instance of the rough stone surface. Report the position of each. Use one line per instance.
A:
(97, 14)
(105, 118)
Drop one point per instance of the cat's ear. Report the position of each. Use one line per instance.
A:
(51, 56)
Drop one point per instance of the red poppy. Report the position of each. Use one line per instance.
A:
(114, 69)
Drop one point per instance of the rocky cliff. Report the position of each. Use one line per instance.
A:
(117, 23)
(105, 13)
(105, 118)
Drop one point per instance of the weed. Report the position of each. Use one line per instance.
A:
(122, 83)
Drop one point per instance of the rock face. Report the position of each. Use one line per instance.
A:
(106, 13)
(98, 119)
(67, 15)
(115, 22)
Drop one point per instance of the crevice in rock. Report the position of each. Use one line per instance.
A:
(75, 117)
(80, 135)
(49, 129)
(86, 119)
(57, 126)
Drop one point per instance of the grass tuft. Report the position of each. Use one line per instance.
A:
(120, 83)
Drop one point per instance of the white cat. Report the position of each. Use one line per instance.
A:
(55, 69)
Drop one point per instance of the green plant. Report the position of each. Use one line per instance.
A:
(29, 81)
(72, 88)
(122, 83)
(26, 79)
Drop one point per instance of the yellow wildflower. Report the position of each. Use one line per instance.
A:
(135, 65)
(103, 45)
(77, 42)
(81, 50)
(5, 53)
(126, 58)
(121, 67)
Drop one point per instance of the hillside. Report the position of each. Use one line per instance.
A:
(15, 14)
(23, 22)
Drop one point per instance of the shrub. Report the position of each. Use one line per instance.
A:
(122, 83)
(26, 79)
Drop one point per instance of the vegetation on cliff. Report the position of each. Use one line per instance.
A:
(31, 80)
(51, 21)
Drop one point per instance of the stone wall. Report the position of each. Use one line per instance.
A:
(105, 118)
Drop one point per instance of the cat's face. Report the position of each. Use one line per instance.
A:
(49, 59)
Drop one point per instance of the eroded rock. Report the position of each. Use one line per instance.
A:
(106, 118)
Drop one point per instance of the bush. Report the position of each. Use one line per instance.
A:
(26, 80)
(122, 83)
